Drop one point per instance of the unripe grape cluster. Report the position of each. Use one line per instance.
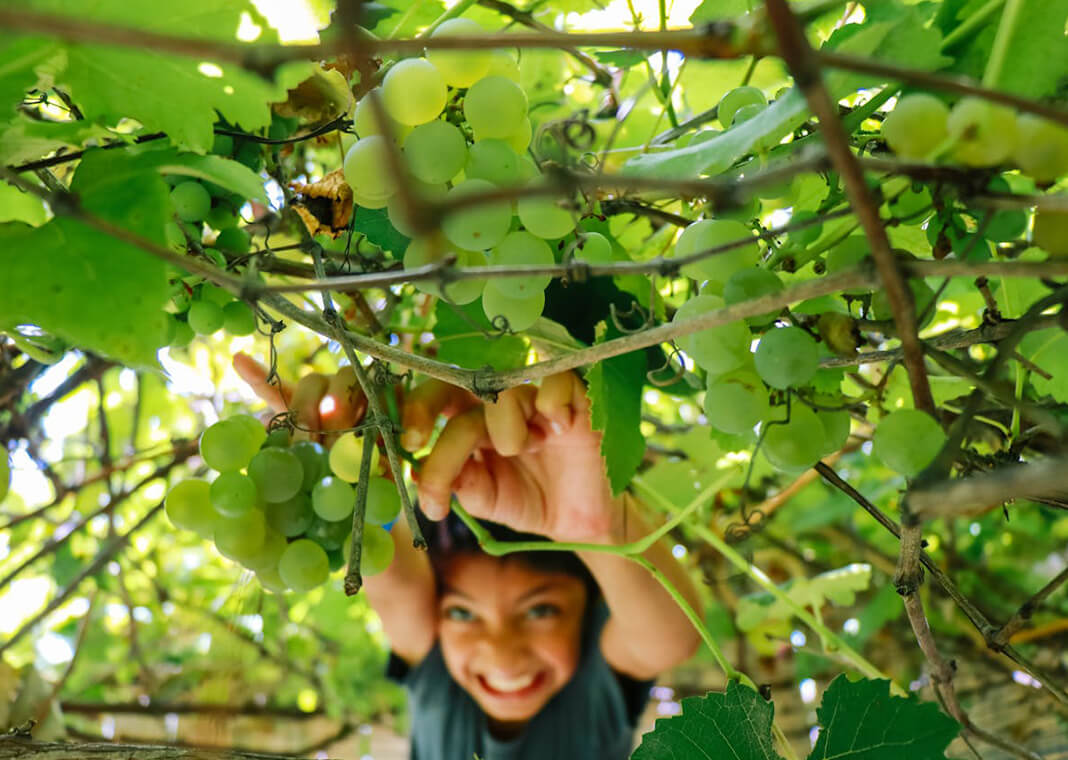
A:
(283, 509)
(205, 309)
(459, 120)
(977, 132)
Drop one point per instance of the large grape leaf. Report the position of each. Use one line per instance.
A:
(25, 62)
(714, 10)
(735, 724)
(181, 96)
(614, 387)
(87, 287)
(464, 338)
(860, 721)
(375, 225)
(1036, 61)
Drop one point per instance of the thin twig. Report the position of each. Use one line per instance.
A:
(1027, 609)
(967, 496)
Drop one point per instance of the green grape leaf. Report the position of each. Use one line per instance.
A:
(836, 586)
(552, 338)
(466, 338)
(374, 224)
(232, 175)
(28, 62)
(614, 387)
(734, 724)
(1049, 350)
(715, 10)
(861, 721)
(17, 206)
(86, 287)
(402, 18)
(624, 59)
(1036, 58)
(65, 566)
(24, 140)
(182, 96)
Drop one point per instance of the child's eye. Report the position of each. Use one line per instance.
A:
(543, 611)
(459, 614)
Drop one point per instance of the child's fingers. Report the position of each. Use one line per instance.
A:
(506, 419)
(255, 375)
(556, 396)
(422, 406)
(305, 401)
(344, 403)
(464, 434)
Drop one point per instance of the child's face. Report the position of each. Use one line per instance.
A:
(510, 635)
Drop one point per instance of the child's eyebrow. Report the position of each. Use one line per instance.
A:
(446, 589)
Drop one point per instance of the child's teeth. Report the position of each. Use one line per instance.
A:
(509, 684)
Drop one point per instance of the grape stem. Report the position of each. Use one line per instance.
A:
(1006, 29)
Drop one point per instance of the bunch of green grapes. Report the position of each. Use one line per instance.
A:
(283, 508)
(204, 310)
(977, 132)
(457, 124)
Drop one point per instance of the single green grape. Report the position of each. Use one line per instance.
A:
(367, 168)
(188, 506)
(346, 455)
(460, 68)
(205, 317)
(907, 440)
(503, 64)
(241, 537)
(312, 458)
(477, 227)
(521, 313)
(916, 126)
(593, 248)
(414, 92)
(376, 552)
(519, 141)
(277, 473)
(329, 534)
(787, 357)
(495, 106)
(494, 161)
(521, 248)
(735, 407)
(333, 499)
(717, 349)
(383, 501)
(400, 211)
(191, 200)
(435, 152)
(737, 98)
(717, 268)
(1042, 148)
(233, 493)
(234, 240)
(269, 553)
(985, 132)
(747, 284)
(797, 444)
(238, 318)
(303, 565)
(745, 113)
(544, 217)
(271, 580)
(366, 123)
(228, 445)
(836, 428)
(290, 517)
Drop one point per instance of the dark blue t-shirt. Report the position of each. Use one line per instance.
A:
(592, 718)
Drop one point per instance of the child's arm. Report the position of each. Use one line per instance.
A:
(647, 632)
(532, 462)
(405, 598)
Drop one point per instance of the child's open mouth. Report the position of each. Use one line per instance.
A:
(512, 688)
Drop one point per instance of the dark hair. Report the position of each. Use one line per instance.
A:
(450, 537)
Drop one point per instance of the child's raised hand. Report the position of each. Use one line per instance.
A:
(322, 404)
(529, 461)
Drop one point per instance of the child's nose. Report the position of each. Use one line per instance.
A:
(505, 652)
